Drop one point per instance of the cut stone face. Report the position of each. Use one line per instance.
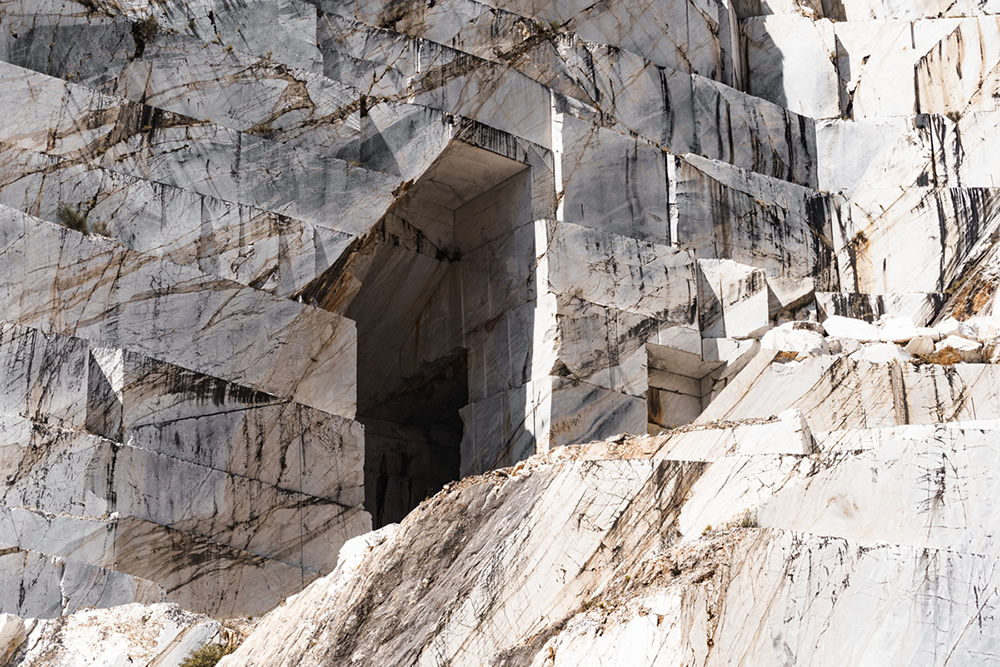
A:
(274, 271)
(681, 386)
(732, 299)
(184, 455)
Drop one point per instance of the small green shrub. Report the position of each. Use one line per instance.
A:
(208, 655)
(71, 218)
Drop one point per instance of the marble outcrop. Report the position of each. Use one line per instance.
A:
(279, 272)
(132, 634)
(740, 556)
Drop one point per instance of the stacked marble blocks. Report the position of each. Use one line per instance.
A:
(277, 271)
(219, 496)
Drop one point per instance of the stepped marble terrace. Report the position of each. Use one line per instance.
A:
(527, 333)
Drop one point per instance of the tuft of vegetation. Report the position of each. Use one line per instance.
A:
(101, 6)
(144, 31)
(147, 29)
(90, 5)
(262, 129)
(208, 655)
(71, 218)
(100, 228)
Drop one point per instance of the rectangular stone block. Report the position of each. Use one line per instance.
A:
(866, 68)
(613, 182)
(212, 160)
(501, 352)
(602, 346)
(878, 253)
(732, 299)
(954, 79)
(789, 61)
(497, 276)
(39, 586)
(920, 308)
(752, 133)
(45, 376)
(620, 272)
(668, 409)
(175, 314)
(583, 412)
(193, 572)
(726, 213)
(79, 474)
(500, 430)
(181, 226)
(289, 446)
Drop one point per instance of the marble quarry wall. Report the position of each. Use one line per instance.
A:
(277, 271)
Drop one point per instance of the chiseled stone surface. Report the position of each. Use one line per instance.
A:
(242, 243)
(206, 464)
(700, 563)
(153, 300)
(70, 474)
(42, 586)
(134, 634)
(277, 271)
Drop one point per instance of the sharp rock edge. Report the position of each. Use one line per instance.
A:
(641, 333)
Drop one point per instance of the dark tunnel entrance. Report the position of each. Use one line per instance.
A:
(415, 315)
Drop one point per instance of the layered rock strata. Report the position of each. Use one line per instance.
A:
(277, 271)
(754, 541)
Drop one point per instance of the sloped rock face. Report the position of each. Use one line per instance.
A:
(624, 552)
(276, 271)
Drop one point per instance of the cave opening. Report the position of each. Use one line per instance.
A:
(413, 280)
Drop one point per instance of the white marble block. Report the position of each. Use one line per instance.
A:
(150, 309)
(732, 299)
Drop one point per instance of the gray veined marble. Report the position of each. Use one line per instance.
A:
(641, 332)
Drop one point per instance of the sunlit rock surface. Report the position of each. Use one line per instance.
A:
(279, 272)
(134, 634)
